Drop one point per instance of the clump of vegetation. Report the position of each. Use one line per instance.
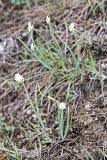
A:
(69, 74)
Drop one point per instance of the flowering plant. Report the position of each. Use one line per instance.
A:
(61, 108)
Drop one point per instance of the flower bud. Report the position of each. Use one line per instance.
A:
(48, 20)
(30, 27)
(32, 47)
(62, 106)
(71, 27)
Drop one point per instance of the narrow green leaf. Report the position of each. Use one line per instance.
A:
(104, 154)
(87, 152)
(67, 126)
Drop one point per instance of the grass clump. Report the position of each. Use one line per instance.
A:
(12, 153)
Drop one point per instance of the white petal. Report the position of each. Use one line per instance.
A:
(18, 78)
(48, 19)
(30, 27)
(71, 27)
(62, 106)
(32, 47)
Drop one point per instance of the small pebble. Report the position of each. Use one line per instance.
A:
(104, 66)
(29, 111)
(34, 116)
(88, 107)
(96, 119)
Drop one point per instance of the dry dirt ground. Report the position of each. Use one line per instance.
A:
(88, 126)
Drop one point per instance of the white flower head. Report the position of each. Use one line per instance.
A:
(30, 27)
(104, 66)
(71, 27)
(18, 78)
(62, 106)
(32, 47)
(48, 20)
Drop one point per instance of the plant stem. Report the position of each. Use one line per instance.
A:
(61, 124)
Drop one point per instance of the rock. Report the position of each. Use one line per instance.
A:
(34, 116)
(29, 111)
(88, 107)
